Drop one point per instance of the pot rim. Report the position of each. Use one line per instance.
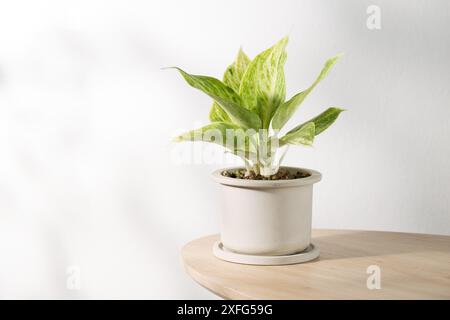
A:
(314, 177)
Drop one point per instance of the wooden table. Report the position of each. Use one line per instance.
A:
(412, 266)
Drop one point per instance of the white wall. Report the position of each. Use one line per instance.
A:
(87, 177)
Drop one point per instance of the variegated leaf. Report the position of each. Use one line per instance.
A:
(303, 135)
(228, 135)
(263, 86)
(225, 97)
(288, 108)
(214, 132)
(232, 78)
(234, 73)
(217, 114)
(322, 121)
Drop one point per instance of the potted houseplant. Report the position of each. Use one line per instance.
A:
(267, 208)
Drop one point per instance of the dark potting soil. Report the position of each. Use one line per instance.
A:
(282, 174)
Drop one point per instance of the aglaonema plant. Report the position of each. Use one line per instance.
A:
(250, 109)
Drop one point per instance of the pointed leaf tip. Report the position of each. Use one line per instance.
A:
(285, 111)
(263, 86)
(322, 122)
(177, 139)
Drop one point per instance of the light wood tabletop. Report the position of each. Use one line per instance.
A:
(411, 266)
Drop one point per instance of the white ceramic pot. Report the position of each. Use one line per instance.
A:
(263, 217)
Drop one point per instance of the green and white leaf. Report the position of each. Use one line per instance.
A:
(263, 86)
(287, 109)
(226, 97)
(234, 73)
(228, 135)
(215, 132)
(232, 78)
(322, 122)
(303, 135)
(217, 114)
